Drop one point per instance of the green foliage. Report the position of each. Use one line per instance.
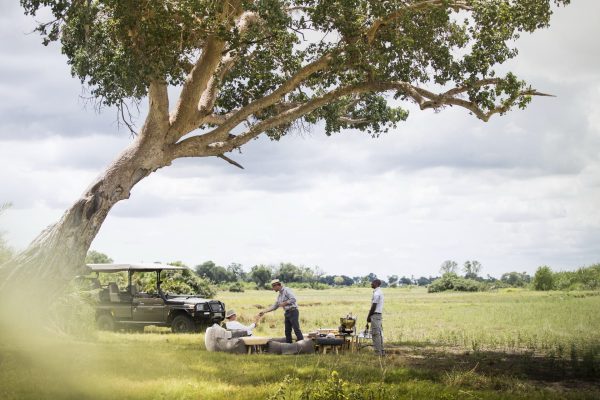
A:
(543, 279)
(472, 269)
(584, 278)
(215, 273)
(261, 275)
(308, 285)
(288, 273)
(118, 47)
(336, 280)
(334, 388)
(331, 388)
(95, 257)
(237, 287)
(516, 279)
(393, 280)
(451, 281)
(186, 282)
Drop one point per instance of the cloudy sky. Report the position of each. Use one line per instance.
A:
(515, 193)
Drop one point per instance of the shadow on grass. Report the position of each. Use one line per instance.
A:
(440, 362)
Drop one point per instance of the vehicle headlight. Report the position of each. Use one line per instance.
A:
(199, 307)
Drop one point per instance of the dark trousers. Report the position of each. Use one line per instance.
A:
(291, 322)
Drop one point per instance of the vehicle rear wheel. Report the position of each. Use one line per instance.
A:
(105, 322)
(182, 324)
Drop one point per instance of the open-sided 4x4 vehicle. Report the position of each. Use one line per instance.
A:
(133, 309)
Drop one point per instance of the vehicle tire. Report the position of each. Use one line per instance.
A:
(182, 324)
(105, 322)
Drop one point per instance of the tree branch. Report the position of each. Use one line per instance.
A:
(207, 101)
(183, 118)
(198, 146)
(202, 146)
(289, 85)
(158, 99)
(230, 161)
(195, 84)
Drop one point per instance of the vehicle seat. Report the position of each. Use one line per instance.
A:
(113, 292)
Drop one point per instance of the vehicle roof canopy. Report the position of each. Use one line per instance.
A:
(133, 267)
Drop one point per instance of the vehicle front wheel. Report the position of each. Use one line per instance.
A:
(105, 322)
(182, 324)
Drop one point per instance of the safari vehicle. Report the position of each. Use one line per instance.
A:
(132, 309)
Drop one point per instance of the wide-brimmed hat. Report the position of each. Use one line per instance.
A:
(275, 282)
(230, 313)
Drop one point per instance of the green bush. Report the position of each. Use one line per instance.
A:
(451, 281)
(332, 388)
(236, 287)
(543, 279)
(585, 278)
(308, 285)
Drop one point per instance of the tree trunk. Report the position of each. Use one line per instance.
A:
(58, 253)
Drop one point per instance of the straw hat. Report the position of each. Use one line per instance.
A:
(230, 313)
(275, 282)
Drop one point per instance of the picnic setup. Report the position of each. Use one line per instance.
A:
(345, 338)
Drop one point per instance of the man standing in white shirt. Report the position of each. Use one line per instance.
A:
(375, 317)
(233, 324)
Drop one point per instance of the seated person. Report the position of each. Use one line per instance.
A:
(231, 323)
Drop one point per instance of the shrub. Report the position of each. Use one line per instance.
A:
(332, 388)
(308, 285)
(585, 278)
(543, 279)
(451, 281)
(236, 287)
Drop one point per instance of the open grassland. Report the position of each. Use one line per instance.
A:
(550, 323)
(510, 344)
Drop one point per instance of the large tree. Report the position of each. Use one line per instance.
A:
(265, 67)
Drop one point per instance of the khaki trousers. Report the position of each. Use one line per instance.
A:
(377, 333)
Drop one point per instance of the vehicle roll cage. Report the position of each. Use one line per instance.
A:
(131, 268)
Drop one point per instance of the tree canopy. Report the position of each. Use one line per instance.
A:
(266, 63)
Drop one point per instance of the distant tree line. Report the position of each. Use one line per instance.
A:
(471, 281)
(234, 277)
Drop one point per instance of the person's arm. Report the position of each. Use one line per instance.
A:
(376, 299)
(272, 308)
(371, 311)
